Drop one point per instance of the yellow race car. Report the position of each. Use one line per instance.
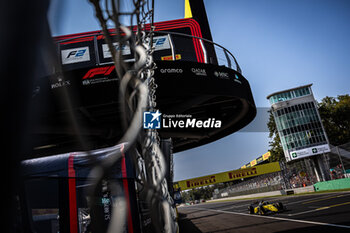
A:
(264, 207)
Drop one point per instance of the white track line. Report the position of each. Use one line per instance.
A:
(321, 208)
(316, 196)
(276, 218)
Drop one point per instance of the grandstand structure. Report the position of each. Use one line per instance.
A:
(228, 176)
(93, 164)
(273, 177)
(297, 174)
(257, 176)
(194, 76)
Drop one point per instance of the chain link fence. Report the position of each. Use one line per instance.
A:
(339, 161)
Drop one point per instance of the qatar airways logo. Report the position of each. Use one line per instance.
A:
(157, 120)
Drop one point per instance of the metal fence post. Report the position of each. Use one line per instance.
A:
(286, 183)
(228, 59)
(341, 161)
(173, 54)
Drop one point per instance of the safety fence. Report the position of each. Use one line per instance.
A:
(339, 161)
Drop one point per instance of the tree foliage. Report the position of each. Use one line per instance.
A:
(205, 192)
(276, 149)
(197, 194)
(335, 115)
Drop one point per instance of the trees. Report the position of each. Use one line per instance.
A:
(276, 149)
(197, 194)
(205, 192)
(335, 115)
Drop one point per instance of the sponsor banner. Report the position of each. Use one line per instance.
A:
(228, 176)
(75, 55)
(207, 180)
(199, 71)
(207, 71)
(306, 152)
(243, 173)
(170, 57)
(172, 71)
(266, 155)
(60, 83)
(99, 75)
(107, 54)
(258, 160)
(253, 163)
(221, 74)
(226, 75)
(161, 42)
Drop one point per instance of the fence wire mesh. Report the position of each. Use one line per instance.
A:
(137, 91)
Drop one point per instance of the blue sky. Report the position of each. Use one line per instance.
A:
(279, 44)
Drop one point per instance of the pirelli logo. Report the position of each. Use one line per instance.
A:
(201, 181)
(170, 58)
(228, 176)
(242, 173)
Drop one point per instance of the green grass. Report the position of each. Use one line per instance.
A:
(326, 191)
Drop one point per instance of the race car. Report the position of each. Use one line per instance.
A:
(264, 207)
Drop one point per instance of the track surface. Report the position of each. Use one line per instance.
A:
(328, 212)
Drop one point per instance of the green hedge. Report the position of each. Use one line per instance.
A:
(333, 185)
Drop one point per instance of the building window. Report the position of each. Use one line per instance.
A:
(299, 126)
(289, 95)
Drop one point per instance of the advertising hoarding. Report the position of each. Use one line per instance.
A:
(228, 176)
(306, 152)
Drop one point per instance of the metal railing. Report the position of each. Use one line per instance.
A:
(223, 56)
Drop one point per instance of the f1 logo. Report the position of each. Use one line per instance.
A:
(151, 120)
(99, 70)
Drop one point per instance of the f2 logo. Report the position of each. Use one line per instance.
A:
(159, 41)
(77, 53)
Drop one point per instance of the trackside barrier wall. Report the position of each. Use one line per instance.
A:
(308, 189)
(333, 185)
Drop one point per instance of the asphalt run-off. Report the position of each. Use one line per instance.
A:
(327, 212)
